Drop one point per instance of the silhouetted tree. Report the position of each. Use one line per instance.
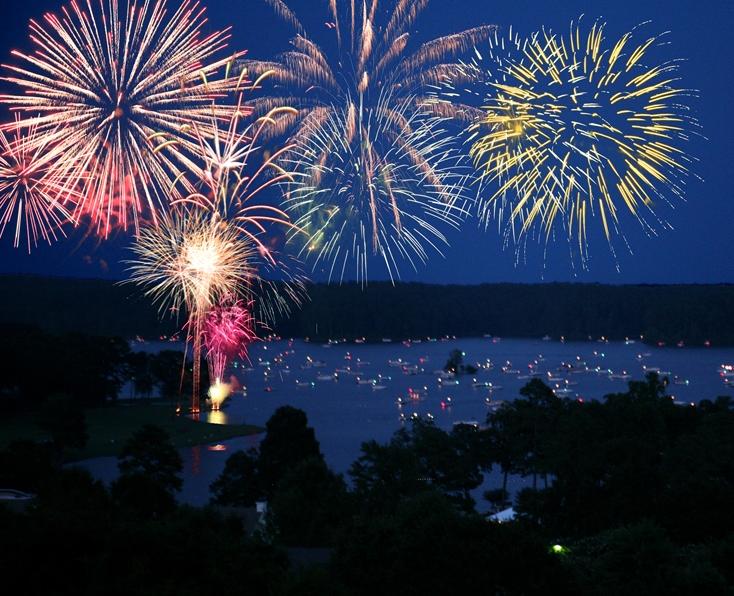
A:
(239, 483)
(640, 560)
(150, 453)
(414, 461)
(288, 441)
(426, 546)
(140, 366)
(166, 367)
(309, 505)
(453, 364)
(63, 419)
(27, 465)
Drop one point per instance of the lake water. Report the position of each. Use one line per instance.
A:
(323, 381)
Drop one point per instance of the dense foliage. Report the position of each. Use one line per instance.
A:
(630, 495)
(83, 369)
(669, 313)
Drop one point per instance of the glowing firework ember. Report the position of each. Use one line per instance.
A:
(373, 87)
(212, 249)
(116, 90)
(191, 260)
(227, 332)
(232, 176)
(29, 191)
(384, 182)
(576, 128)
(218, 394)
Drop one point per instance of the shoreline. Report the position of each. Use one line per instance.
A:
(110, 426)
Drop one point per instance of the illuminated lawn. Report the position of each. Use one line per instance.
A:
(109, 427)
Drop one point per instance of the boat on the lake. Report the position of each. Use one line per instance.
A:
(493, 404)
(623, 376)
(473, 423)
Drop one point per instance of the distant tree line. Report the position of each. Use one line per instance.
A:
(630, 495)
(92, 306)
(86, 369)
(691, 313)
(669, 313)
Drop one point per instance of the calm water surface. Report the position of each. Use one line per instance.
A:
(322, 380)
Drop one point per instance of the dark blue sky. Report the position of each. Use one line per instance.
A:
(700, 248)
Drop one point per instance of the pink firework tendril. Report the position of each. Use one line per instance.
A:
(227, 331)
(115, 86)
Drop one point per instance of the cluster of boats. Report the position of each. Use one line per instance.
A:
(726, 372)
(562, 377)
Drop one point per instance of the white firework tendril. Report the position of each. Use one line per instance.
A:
(378, 181)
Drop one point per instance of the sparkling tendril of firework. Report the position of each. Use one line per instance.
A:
(29, 190)
(228, 330)
(372, 75)
(192, 260)
(461, 92)
(116, 89)
(218, 394)
(576, 128)
(375, 181)
(233, 176)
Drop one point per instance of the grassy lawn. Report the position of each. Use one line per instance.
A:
(109, 427)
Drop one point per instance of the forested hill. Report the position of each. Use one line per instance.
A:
(692, 313)
(93, 306)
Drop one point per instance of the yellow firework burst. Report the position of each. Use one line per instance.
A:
(576, 128)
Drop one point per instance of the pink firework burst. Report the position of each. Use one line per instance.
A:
(115, 86)
(227, 331)
(30, 202)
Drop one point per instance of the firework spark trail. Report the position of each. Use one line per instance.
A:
(359, 197)
(228, 330)
(114, 89)
(192, 261)
(232, 176)
(29, 191)
(373, 84)
(214, 248)
(575, 128)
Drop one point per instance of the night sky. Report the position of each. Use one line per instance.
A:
(700, 248)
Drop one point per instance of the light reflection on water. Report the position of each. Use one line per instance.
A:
(345, 413)
(216, 417)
